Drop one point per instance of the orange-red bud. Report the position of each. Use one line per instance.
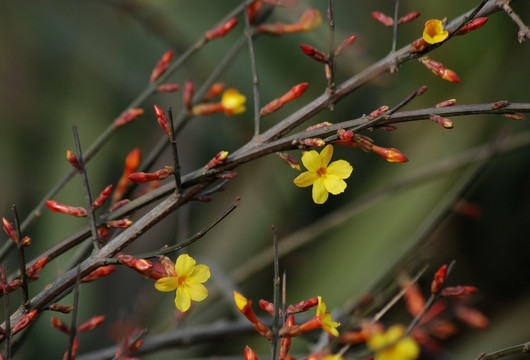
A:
(122, 223)
(289, 160)
(142, 177)
(133, 160)
(515, 116)
(131, 164)
(295, 92)
(187, 94)
(266, 306)
(314, 54)
(285, 344)
(161, 66)
(414, 300)
(65, 309)
(9, 229)
(102, 197)
(73, 160)
(459, 290)
(409, 17)
(101, 271)
(26, 241)
(221, 31)
(250, 354)
(226, 175)
(141, 265)
(253, 10)
(418, 45)
(302, 306)
(60, 325)
(66, 209)
(390, 154)
(168, 88)
(439, 279)
(127, 117)
(119, 204)
(472, 317)
(378, 112)
(91, 323)
(163, 121)
(382, 18)
(214, 91)
(309, 20)
(318, 126)
(345, 44)
(24, 322)
(499, 104)
(315, 142)
(346, 135)
(474, 24)
(218, 159)
(446, 103)
(438, 69)
(72, 354)
(37, 267)
(442, 121)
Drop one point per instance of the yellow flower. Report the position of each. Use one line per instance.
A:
(187, 282)
(233, 102)
(433, 32)
(393, 345)
(327, 324)
(324, 178)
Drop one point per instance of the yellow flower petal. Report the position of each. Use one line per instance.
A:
(233, 101)
(340, 168)
(394, 345)
(200, 274)
(198, 292)
(325, 156)
(183, 299)
(305, 179)
(433, 32)
(334, 184)
(319, 192)
(327, 324)
(240, 300)
(311, 160)
(166, 284)
(184, 265)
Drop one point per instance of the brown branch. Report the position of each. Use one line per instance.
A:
(523, 29)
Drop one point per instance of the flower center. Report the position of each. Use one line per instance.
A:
(181, 280)
(321, 171)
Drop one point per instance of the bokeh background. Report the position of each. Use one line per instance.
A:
(82, 62)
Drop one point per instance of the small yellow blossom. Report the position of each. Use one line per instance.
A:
(433, 32)
(393, 344)
(327, 324)
(325, 177)
(233, 102)
(187, 282)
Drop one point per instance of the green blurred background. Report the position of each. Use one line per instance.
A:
(82, 63)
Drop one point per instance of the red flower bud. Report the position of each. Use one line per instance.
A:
(295, 92)
(127, 117)
(302, 306)
(37, 267)
(318, 126)
(26, 241)
(445, 103)
(382, 18)
(250, 354)
(253, 10)
(266, 306)
(515, 116)
(227, 175)
(346, 135)
(102, 197)
(218, 159)
(91, 323)
(345, 44)
(409, 17)
(119, 204)
(73, 160)
(122, 223)
(168, 88)
(9, 229)
(187, 94)
(499, 104)
(390, 154)
(472, 317)
(439, 279)
(131, 164)
(474, 24)
(162, 120)
(378, 112)
(418, 45)
(101, 271)
(66, 209)
(65, 309)
(314, 54)
(442, 121)
(161, 66)
(214, 91)
(24, 322)
(453, 291)
(221, 31)
(142, 177)
(289, 160)
(315, 142)
(60, 325)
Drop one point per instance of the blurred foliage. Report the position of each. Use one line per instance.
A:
(82, 62)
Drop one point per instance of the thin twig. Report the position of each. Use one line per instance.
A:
(73, 322)
(86, 189)
(523, 29)
(255, 80)
(276, 295)
(6, 313)
(174, 152)
(512, 350)
(21, 258)
(331, 51)
(394, 33)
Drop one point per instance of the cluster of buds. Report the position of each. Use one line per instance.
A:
(132, 162)
(389, 21)
(348, 138)
(12, 233)
(307, 22)
(31, 275)
(88, 325)
(322, 320)
(295, 92)
(439, 69)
